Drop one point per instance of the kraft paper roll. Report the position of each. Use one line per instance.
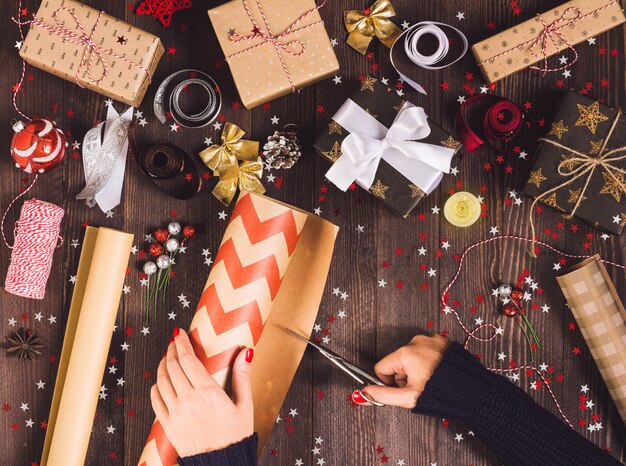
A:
(600, 314)
(97, 291)
(269, 273)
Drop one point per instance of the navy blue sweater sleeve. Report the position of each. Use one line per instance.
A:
(242, 453)
(515, 428)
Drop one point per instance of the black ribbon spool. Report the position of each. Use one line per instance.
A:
(167, 167)
(168, 95)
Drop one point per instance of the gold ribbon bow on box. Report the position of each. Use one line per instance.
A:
(373, 21)
(237, 163)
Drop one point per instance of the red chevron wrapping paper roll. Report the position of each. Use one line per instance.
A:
(241, 291)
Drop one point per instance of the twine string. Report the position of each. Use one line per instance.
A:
(471, 334)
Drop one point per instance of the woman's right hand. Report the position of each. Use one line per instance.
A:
(406, 371)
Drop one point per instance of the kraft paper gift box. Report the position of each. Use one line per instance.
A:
(119, 65)
(525, 44)
(264, 70)
(400, 180)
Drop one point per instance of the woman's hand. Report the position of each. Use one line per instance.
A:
(407, 370)
(196, 413)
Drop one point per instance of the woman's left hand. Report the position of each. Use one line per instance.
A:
(195, 412)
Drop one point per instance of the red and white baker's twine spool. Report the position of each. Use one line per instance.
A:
(471, 334)
(36, 237)
(83, 39)
(548, 33)
(276, 41)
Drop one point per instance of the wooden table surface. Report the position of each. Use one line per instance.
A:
(385, 293)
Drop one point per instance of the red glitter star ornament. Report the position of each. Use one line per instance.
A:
(162, 10)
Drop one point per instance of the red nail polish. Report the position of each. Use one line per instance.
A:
(172, 340)
(176, 331)
(249, 355)
(357, 398)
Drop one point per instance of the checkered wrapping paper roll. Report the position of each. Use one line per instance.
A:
(600, 314)
(237, 299)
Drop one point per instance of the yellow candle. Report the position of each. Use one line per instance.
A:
(462, 209)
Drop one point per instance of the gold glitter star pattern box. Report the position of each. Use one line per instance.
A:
(534, 40)
(92, 49)
(580, 166)
(273, 47)
(386, 145)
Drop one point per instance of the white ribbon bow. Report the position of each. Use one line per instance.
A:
(104, 160)
(370, 141)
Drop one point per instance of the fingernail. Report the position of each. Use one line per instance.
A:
(176, 331)
(172, 340)
(249, 355)
(357, 398)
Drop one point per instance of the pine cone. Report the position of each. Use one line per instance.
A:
(282, 150)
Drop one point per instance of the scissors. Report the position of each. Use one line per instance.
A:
(353, 371)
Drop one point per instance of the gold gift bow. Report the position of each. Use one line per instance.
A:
(224, 156)
(246, 176)
(586, 165)
(374, 21)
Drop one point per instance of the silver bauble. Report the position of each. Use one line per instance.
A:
(172, 244)
(174, 228)
(163, 261)
(149, 268)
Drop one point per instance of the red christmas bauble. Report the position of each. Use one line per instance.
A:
(509, 310)
(37, 145)
(161, 235)
(155, 249)
(189, 231)
(517, 295)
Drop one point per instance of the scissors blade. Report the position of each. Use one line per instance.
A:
(349, 368)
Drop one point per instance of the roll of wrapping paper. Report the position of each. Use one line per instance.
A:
(269, 273)
(601, 317)
(97, 291)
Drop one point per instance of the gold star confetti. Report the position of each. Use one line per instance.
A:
(569, 164)
(334, 153)
(368, 83)
(590, 116)
(450, 143)
(416, 191)
(596, 147)
(334, 127)
(558, 129)
(536, 177)
(378, 189)
(574, 194)
(613, 185)
(551, 201)
(367, 110)
(398, 107)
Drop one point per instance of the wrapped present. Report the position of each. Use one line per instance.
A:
(273, 47)
(269, 274)
(92, 49)
(387, 145)
(545, 35)
(601, 317)
(580, 166)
